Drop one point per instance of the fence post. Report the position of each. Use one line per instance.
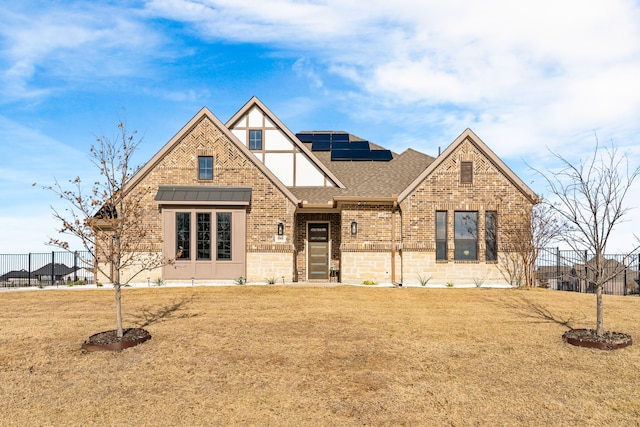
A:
(29, 273)
(558, 279)
(624, 285)
(53, 268)
(586, 272)
(75, 266)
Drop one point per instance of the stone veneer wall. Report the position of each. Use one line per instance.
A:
(368, 254)
(416, 265)
(361, 266)
(262, 266)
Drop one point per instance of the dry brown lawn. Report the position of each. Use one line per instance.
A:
(309, 356)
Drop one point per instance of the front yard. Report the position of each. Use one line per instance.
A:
(294, 355)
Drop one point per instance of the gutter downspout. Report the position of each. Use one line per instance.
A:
(393, 242)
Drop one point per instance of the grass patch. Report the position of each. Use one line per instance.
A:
(306, 356)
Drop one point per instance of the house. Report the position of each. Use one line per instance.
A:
(620, 278)
(15, 278)
(250, 198)
(58, 270)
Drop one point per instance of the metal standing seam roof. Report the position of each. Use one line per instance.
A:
(172, 194)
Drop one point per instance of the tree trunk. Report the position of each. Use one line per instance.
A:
(119, 331)
(599, 312)
(117, 288)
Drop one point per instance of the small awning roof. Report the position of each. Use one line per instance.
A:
(203, 195)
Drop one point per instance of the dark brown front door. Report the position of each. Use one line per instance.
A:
(318, 245)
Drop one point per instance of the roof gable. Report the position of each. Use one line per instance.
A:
(248, 110)
(206, 114)
(469, 135)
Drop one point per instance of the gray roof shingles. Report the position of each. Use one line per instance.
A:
(366, 179)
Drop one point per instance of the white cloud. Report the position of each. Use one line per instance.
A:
(523, 75)
(72, 42)
(538, 72)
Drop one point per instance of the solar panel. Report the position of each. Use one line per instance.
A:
(341, 154)
(321, 137)
(360, 155)
(360, 145)
(341, 145)
(381, 155)
(304, 137)
(344, 137)
(320, 146)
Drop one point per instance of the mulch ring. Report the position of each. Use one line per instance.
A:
(109, 341)
(588, 338)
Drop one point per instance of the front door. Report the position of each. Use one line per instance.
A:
(318, 250)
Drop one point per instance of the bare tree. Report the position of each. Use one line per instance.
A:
(590, 197)
(518, 264)
(108, 219)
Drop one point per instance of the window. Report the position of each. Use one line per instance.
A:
(466, 235)
(205, 167)
(204, 235)
(183, 242)
(491, 229)
(255, 140)
(441, 235)
(223, 235)
(466, 172)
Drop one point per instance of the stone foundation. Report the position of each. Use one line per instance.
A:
(266, 265)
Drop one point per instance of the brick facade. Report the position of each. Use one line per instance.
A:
(179, 166)
(396, 235)
(491, 190)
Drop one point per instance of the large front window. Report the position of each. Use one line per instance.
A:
(201, 245)
(183, 231)
(224, 235)
(204, 235)
(466, 235)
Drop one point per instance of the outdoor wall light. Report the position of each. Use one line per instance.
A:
(280, 229)
(354, 228)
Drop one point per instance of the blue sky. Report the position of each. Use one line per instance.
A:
(523, 75)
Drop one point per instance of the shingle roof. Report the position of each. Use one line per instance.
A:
(58, 270)
(366, 179)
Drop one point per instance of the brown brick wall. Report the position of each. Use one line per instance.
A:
(231, 168)
(442, 190)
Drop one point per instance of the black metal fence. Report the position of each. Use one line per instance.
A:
(572, 271)
(46, 269)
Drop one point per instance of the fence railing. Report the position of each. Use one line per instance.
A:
(46, 269)
(568, 270)
(556, 269)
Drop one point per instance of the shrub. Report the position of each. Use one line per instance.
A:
(424, 280)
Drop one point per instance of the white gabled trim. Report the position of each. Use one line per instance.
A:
(254, 101)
